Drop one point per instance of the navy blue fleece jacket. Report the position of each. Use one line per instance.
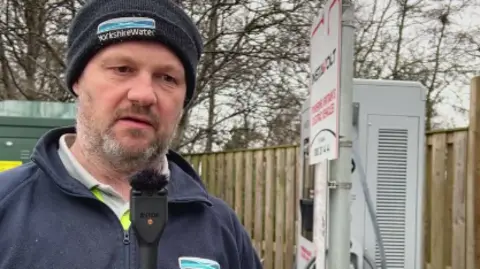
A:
(49, 220)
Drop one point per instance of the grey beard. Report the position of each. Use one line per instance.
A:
(109, 150)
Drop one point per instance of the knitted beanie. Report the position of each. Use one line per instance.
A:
(100, 23)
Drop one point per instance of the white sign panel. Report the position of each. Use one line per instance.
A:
(325, 53)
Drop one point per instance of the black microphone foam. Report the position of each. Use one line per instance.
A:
(148, 213)
(148, 180)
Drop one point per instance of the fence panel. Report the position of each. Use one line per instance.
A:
(260, 185)
(444, 205)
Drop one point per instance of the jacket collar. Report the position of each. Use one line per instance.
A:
(185, 185)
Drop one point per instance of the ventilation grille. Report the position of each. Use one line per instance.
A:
(391, 195)
(24, 154)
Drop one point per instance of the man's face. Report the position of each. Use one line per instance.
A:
(130, 99)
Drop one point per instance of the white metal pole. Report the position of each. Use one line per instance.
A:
(339, 216)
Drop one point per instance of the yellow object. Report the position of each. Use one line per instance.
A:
(125, 220)
(5, 165)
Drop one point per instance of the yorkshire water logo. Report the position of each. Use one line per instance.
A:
(197, 263)
(125, 27)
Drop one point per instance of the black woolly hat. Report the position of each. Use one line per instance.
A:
(100, 23)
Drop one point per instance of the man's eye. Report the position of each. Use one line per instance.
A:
(168, 78)
(123, 69)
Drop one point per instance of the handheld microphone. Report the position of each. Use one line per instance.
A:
(148, 213)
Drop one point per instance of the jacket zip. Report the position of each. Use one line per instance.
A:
(126, 233)
(126, 243)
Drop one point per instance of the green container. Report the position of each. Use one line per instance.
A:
(23, 122)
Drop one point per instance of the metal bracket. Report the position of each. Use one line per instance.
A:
(311, 193)
(335, 185)
(347, 144)
(356, 113)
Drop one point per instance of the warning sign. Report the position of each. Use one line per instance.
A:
(325, 53)
(6, 165)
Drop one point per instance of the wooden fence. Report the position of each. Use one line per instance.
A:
(260, 185)
(452, 207)
(444, 212)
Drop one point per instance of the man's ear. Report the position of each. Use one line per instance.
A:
(75, 88)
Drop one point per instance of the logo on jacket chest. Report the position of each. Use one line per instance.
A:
(197, 263)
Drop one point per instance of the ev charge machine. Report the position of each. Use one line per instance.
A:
(388, 147)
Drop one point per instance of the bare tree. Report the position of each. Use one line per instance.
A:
(253, 76)
(32, 35)
(255, 55)
(419, 41)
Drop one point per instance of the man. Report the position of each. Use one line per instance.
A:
(132, 66)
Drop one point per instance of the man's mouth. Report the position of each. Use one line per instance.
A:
(137, 120)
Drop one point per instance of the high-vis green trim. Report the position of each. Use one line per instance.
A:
(97, 194)
(124, 220)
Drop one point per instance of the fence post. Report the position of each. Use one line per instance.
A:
(473, 179)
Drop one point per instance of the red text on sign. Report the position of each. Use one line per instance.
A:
(306, 254)
(327, 111)
(324, 107)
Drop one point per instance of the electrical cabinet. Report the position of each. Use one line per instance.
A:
(22, 123)
(388, 137)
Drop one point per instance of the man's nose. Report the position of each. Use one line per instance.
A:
(142, 91)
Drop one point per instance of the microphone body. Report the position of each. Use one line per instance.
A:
(148, 217)
(148, 256)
